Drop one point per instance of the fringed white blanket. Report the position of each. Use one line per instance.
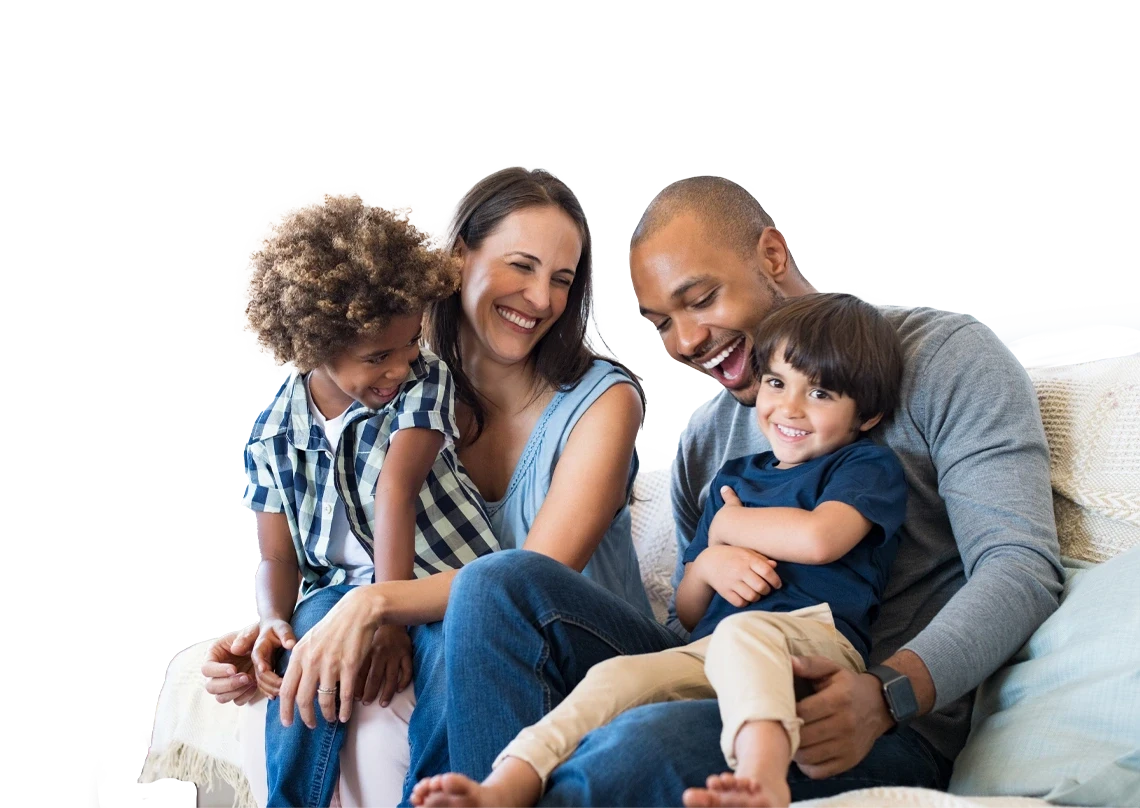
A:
(195, 739)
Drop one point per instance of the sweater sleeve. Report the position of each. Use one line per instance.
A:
(685, 498)
(979, 412)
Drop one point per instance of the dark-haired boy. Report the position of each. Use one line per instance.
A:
(826, 503)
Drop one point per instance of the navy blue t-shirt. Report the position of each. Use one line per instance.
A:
(864, 475)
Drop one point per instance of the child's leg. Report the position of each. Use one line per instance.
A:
(610, 688)
(302, 764)
(749, 664)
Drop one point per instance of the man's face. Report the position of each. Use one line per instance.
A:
(705, 299)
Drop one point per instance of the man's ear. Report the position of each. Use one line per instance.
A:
(870, 423)
(772, 251)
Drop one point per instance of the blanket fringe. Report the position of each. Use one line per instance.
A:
(181, 762)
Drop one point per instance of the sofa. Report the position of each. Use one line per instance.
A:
(1058, 724)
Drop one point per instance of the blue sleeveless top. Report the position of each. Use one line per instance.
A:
(614, 564)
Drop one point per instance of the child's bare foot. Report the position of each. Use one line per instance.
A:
(729, 790)
(448, 790)
(512, 783)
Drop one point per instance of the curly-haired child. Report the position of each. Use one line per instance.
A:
(826, 503)
(352, 469)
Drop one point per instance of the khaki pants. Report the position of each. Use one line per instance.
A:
(745, 664)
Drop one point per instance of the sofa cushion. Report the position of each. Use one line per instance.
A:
(1062, 720)
(1091, 414)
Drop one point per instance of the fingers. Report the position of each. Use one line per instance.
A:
(348, 677)
(251, 694)
(730, 497)
(405, 672)
(814, 667)
(269, 683)
(745, 592)
(218, 670)
(390, 680)
(758, 586)
(327, 691)
(764, 569)
(289, 686)
(372, 681)
(227, 688)
(243, 640)
(220, 650)
(284, 634)
(262, 653)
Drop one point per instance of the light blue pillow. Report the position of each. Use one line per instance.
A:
(1062, 720)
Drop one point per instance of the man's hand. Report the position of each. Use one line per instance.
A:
(842, 719)
(738, 575)
(228, 668)
(389, 668)
(273, 635)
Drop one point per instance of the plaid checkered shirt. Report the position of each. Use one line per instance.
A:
(292, 470)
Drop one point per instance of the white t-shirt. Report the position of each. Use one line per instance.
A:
(344, 549)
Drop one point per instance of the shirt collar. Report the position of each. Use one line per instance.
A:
(303, 431)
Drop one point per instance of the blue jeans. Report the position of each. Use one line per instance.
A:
(522, 630)
(303, 764)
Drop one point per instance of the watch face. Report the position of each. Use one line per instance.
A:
(901, 697)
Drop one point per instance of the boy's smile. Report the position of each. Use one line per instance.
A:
(799, 418)
(370, 371)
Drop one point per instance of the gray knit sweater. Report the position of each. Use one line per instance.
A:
(978, 566)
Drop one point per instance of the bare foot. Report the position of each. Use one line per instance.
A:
(514, 783)
(729, 790)
(448, 790)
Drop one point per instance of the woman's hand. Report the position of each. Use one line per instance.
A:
(229, 668)
(388, 669)
(273, 636)
(329, 657)
(738, 575)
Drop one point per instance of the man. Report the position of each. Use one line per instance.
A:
(977, 569)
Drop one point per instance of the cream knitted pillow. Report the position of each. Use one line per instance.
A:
(1091, 414)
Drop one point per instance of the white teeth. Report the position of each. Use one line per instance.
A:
(791, 433)
(521, 322)
(720, 357)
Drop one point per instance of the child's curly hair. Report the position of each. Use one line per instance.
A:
(331, 272)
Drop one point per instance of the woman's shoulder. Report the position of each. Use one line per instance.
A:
(599, 378)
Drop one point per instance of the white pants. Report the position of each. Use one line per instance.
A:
(373, 763)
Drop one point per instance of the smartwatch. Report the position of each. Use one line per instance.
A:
(898, 694)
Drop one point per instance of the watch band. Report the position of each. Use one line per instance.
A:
(898, 694)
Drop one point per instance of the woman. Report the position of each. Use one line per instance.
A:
(552, 430)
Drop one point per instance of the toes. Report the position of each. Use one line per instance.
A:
(457, 784)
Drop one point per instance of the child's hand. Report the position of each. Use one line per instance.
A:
(738, 575)
(731, 500)
(273, 635)
(389, 667)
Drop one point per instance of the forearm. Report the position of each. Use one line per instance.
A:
(275, 587)
(693, 598)
(784, 534)
(410, 603)
(1010, 594)
(395, 546)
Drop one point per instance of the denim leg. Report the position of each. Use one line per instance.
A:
(521, 631)
(303, 764)
(427, 729)
(651, 754)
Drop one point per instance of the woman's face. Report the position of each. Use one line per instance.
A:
(516, 283)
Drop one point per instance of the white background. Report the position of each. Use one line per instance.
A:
(973, 157)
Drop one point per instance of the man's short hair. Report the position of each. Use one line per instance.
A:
(727, 211)
(841, 342)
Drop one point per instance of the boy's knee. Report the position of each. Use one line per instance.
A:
(730, 631)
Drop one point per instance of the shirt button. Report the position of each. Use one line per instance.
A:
(328, 509)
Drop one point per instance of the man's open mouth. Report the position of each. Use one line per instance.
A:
(729, 364)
